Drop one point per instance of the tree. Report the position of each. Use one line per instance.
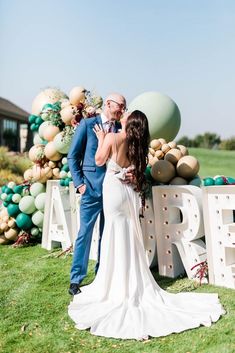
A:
(211, 140)
(185, 141)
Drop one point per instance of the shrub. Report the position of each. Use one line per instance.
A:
(15, 163)
(19, 164)
(228, 144)
(4, 158)
(6, 175)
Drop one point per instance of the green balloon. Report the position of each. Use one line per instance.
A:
(148, 173)
(196, 181)
(162, 112)
(27, 204)
(37, 218)
(3, 188)
(62, 145)
(37, 140)
(47, 106)
(34, 231)
(37, 188)
(9, 197)
(32, 118)
(231, 180)
(40, 201)
(62, 182)
(8, 190)
(24, 221)
(18, 189)
(208, 181)
(220, 181)
(13, 209)
(39, 120)
(33, 127)
(65, 168)
(66, 181)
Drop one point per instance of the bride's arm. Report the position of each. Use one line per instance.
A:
(104, 146)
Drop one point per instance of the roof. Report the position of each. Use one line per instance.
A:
(11, 110)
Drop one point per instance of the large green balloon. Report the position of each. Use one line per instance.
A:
(24, 221)
(37, 188)
(61, 144)
(40, 201)
(27, 205)
(162, 112)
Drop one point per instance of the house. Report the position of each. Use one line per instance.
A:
(14, 127)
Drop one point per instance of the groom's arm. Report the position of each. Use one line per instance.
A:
(76, 153)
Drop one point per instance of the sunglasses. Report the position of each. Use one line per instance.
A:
(121, 106)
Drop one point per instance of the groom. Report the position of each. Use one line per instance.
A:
(88, 179)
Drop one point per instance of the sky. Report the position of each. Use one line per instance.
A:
(182, 48)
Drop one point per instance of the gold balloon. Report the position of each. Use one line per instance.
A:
(163, 171)
(187, 167)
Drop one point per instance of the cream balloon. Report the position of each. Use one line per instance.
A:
(42, 128)
(183, 150)
(49, 95)
(64, 103)
(36, 153)
(28, 174)
(11, 234)
(155, 144)
(51, 153)
(50, 132)
(4, 240)
(37, 172)
(11, 223)
(77, 95)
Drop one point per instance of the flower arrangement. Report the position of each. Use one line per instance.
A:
(202, 270)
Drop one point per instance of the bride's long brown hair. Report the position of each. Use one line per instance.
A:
(137, 137)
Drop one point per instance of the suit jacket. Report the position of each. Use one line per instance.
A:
(81, 157)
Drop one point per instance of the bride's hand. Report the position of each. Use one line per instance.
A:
(99, 131)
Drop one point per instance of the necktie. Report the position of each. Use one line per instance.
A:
(109, 126)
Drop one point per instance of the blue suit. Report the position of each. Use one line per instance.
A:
(81, 160)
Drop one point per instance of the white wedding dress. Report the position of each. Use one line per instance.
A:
(124, 301)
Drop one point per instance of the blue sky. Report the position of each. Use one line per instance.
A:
(182, 48)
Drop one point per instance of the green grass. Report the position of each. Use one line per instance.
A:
(33, 312)
(214, 162)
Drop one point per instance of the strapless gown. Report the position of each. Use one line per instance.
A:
(124, 300)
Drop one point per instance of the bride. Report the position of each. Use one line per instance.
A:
(124, 301)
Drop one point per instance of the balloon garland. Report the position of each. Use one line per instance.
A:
(53, 120)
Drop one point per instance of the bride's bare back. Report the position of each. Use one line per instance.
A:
(119, 149)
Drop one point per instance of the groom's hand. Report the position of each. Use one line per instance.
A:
(81, 189)
(129, 178)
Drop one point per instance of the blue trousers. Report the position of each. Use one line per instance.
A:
(90, 208)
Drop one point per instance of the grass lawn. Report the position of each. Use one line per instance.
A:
(33, 312)
(214, 162)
